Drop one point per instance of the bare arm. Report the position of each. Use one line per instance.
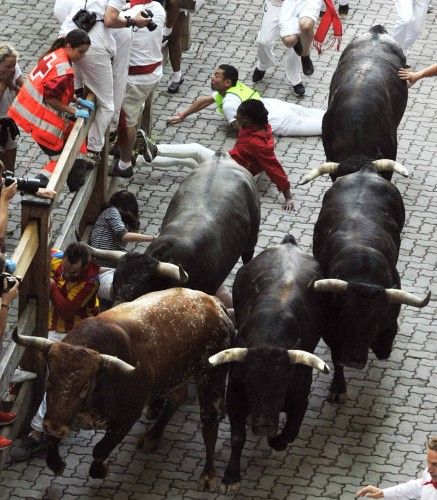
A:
(137, 237)
(288, 205)
(59, 106)
(7, 298)
(414, 76)
(5, 196)
(199, 104)
(113, 19)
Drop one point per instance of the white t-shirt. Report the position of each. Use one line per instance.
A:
(146, 45)
(101, 37)
(9, 95)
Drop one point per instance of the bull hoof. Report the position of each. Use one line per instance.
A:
(98, 470)
(229, 489)
(336, 397)
(57, 466)
(277, 443)
(207, 481)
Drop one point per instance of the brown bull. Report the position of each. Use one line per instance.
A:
(108, 367)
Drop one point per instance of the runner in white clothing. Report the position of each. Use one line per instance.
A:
(424, 488)
(293, 21)
(285, 118)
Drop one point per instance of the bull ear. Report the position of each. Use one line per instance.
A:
(395, 296)
(228, 356)
(329, 167)
(39, 343)
(308, 359)
(172, 271)
(112, 362)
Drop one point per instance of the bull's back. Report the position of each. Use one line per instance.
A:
(273, 304)
(172, 331)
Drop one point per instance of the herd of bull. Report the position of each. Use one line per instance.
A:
(160, 335)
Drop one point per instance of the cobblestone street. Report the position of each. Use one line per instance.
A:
(378, 435)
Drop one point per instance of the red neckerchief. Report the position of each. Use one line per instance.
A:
(434, 483)
(139, 2)
(329, 17)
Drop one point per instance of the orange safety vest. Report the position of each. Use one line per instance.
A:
(29, 111)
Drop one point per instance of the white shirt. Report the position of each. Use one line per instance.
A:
(101, 37)
(412, 489)
(146, 45)
(9, 95)
(276, 3)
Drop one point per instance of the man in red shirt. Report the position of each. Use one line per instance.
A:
(74, 281)
(254, 149)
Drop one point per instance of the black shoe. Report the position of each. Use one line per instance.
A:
(28, 446)
(343, 10)
(174, 86)
(430, 9)
(299, 89)
(298, 47)
(115, 171)
(307, 65)
(321, 13)
(258, 75)
(145, 146)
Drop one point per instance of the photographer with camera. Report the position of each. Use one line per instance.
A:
(99, 18)
(144, 75)
(8, 292)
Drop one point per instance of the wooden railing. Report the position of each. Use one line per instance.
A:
(32, 256)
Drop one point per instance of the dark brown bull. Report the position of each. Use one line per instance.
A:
(109, 367)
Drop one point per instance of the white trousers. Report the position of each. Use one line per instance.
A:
(37, 420)
(95, 71)
(120, 67)
(61, 9)
(268, 34)
(288, 119)
(411, 16)
(190, 155)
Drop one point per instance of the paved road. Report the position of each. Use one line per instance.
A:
(378, 435)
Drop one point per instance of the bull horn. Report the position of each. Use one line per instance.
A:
(395, 296)
(330, 167)
(108, 361)
(308, 359)
(228, 356)
(172, 271)
(109, 256)
(39, 343)
(385, 165)
(329, 285)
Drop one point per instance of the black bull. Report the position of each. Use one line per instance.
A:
(276, 313)
(356, 241)
(211, 221)
(367, 100)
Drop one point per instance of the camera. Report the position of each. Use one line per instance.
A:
(148, 13)
(29, 186)
(9, 281)
(84, 19)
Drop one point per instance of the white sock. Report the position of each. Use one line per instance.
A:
(124, 165)
(166, 31)
(176, 77)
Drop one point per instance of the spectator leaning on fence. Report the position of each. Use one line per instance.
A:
(44, 101)
(74, 281)
(10, 83)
